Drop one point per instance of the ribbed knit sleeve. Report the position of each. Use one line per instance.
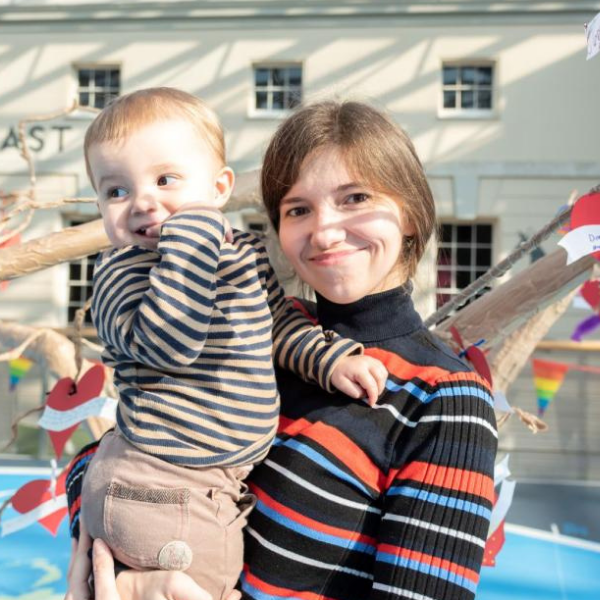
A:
(299, 345)
(155, 307)
(438, 500)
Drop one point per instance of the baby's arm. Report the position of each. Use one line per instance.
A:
(324, 357)
(156, 308)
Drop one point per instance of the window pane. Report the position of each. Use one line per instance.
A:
(115, 79)
(278, 77)
(261, 77)
(463, 234)
(484, 75)
(483, 234)
(467, 99)
(450, 75)
(294, 98)
(446, 233)
(277, 101)
(467, 75)
(463, 256)
(100, 78)
(295, 76)
(90, 269)
(449, 99)
(484, 256)
(84, 99)
(75, 271)
(484, 99)
(261, 100)
(74, 294)
(84, 78)
(100, 100)
(442, 299)
(444, 278)
(444, 256)
(463, 279)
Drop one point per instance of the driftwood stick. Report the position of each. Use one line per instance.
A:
(508, 306)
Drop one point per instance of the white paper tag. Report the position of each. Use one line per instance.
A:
(581, 242)
(59, 420)
(592, 32)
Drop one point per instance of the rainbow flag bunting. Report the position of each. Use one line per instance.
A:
(17, 368)
(547, 377)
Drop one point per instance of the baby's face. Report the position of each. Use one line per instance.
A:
(142, 180)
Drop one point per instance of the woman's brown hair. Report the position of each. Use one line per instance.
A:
(376, 150)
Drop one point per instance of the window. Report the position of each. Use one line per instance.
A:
(256, 223)
(464, 254)
(97, 85)
(277, 88)
(81, 273)
(467, 89)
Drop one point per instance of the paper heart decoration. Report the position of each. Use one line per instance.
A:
(586, 212)
(35, 493)
(475, 356)
(590, 291)
(67, 394)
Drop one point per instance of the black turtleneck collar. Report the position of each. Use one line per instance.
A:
(373, 318)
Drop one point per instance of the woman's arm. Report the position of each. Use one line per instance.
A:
(438, 501)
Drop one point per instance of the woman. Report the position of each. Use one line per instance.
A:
(355, 502)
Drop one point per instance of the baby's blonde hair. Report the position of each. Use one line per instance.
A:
(128, 113)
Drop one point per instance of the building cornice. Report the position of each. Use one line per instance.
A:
(37, 11)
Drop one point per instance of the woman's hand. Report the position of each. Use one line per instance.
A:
(143, 585)
(360, 376)
(79, 567)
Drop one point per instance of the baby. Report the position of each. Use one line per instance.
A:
(192, 317)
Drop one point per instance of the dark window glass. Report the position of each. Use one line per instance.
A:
(450, 75)
(278, 77)
(484, 99)
(463, 279)
(463, 234)
(84, 78)
(261, 77)
(484, 256)
(483, 234)
(294, 98)
(467, 99)
(295, 76)
(467, 75)
(84, 99)
(261, 100)
(278, 100)
(449, 99)
(446, 233)
(463, 256)
(100, 78)
(484, 75)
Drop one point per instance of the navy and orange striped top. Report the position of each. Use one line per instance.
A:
(356, 503)
(191, 331)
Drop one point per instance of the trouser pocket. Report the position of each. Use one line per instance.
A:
(148, 527)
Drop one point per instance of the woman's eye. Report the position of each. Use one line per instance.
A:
(298, 211)
(357, 198)
(166, 180)
(117, 192)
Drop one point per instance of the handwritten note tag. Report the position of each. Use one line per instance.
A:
(584, 237)
(592, 32)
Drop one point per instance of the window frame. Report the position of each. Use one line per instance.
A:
(78, 67)
(469, 113)
(271, 113)
(475, 269)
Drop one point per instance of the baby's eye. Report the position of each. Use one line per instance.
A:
(357, 198)
(166, 180)
(116, 192)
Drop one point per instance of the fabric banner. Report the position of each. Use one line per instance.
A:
(547, 377)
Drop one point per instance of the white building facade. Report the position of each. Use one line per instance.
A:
(497, 96)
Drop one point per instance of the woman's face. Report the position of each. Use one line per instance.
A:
(342, 238)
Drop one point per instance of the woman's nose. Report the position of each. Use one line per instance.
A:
(328, 230)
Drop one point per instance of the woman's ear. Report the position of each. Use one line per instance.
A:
(224, 183)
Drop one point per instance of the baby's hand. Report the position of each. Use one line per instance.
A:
(358, 376)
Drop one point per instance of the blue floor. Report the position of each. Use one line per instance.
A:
(532, 564)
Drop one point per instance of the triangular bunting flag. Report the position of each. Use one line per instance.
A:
(17, 368)
(547, 377)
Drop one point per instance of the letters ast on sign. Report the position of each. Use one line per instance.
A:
(36, 137)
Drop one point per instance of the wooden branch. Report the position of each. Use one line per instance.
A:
(508, 306)
(71, 243)
(509, 359)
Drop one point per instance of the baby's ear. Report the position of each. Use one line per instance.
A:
(224, 183)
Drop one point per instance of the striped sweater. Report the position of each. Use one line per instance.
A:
(191, 331)
(356, 503)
